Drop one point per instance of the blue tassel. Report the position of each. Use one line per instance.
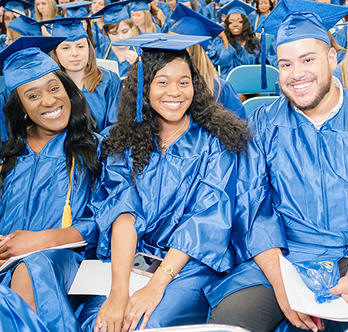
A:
(140, 86)
(263, 61)
(4, 136)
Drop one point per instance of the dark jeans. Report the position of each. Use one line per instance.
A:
(254, 308)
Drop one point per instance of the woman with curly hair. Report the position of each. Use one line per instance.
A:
(238, 45)
(168, 189)
(49, 157)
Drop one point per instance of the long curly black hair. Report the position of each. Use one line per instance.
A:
(80, 143)
(141, 137)
(251, 41)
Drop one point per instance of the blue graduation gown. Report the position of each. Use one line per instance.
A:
(98, 35)
(183, 200)
(256, 19)
(291, 193)
(225, 94)
(33, 199)
(105, 52)
(16, 315)
(231, 58)
(103, 103)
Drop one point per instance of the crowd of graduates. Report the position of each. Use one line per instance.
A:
(157, 156)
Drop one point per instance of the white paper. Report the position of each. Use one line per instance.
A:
(94, 278)
(302, 299)
(13, 260)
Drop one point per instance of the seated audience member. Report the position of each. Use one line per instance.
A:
(142, 18)
(263, 9)
(118, 26)
(45, 10)
(190, 22)
(168, 189)
(76, 57)
(238, 45)
(97, 24)
(11, 10)
(49, 165)
(291, 185)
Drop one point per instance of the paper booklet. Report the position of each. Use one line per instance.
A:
(13, 260)
(301, 298)
(94, 278)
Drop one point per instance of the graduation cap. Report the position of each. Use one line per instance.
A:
(114, 12)
(237, 7)
(190, 22)
(156, 41)
(138, 5)
(17, 6)
(23, 25)
(69, 27)
(23, 61)
(76, 8)
(293, 20)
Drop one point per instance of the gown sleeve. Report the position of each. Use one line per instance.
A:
(257, 225)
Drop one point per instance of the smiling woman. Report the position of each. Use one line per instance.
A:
(170, 184)
(51, 151)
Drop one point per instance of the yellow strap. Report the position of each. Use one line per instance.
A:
(257, 19)
(107, 52)
(67, 218)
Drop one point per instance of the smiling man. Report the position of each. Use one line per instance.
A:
(292, 186)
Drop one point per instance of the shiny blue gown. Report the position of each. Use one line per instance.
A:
(225, 94)
(231, 58)
(183, 200)
(105, 52)
(16, 315)
(33, 199)
(103, 103)
(291, 194)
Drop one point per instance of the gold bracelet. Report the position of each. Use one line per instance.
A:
(168, 270)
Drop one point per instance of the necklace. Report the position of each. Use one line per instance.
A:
(32, 139)
(164, 146)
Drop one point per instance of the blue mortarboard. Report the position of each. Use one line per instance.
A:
(190, 22)
(114, 12)
(76, 8)
(136, 5)
(23, 61)
(292, 20)
(23, 25)
(15, 5)
(237, 7)
(69, 27)
(156, 41)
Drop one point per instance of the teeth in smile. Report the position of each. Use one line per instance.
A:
(52, 113)
(302, 86)
(172, 104)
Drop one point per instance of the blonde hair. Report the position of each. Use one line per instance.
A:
(93, 75)
(52, 8)
(149, 26)
(204, 65)
(13, 34)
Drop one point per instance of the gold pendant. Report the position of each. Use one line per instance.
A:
(164, 147)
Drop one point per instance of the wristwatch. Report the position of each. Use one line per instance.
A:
(168, 270)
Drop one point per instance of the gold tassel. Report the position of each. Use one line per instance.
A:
(67, 217)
